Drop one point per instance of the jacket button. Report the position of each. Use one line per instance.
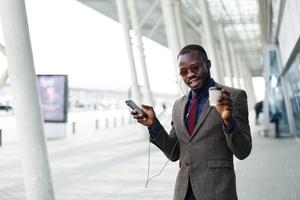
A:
(187, 164)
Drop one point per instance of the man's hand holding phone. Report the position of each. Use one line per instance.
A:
(150, 120)
(144, 115)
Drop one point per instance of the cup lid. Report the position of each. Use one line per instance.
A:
(215, 88)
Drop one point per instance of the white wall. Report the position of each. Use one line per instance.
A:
(289, 31)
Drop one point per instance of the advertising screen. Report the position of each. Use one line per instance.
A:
(53, 91)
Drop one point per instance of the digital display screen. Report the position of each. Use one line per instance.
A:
(53, 91)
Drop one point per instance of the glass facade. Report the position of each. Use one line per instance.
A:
(277, 109)
(293, 83)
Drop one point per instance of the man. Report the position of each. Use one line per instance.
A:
(203, 138)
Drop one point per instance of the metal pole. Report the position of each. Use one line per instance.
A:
(122, 12)
(225, 53)
(180, 23)
(207, 25)
(247, 79)
(155, 27)
(148, 14)
(236, 82)
(36, 170)
(135, 24)
(172, 37)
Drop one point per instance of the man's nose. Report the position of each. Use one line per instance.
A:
(190, 73)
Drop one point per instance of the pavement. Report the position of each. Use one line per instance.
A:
(111, 164)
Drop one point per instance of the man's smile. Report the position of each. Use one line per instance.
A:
(194, 81)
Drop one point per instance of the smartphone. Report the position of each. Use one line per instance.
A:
(133, 106)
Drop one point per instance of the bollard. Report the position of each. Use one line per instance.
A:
(115, 122)
(122, 120)
(106, 123)
(73, 128)
(97, 124)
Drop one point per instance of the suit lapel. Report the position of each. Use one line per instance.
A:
(182, 114)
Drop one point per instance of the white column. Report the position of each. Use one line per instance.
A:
(122, 12)
(240, 73)
(221, 69)
(248, 84)
(236, 82)
(208, 34)
(37, 176)
(135, 24)
(180, 23)
(241, 65)
(172, 37)
(225, 54)
(3, 78)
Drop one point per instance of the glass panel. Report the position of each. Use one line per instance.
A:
(277, 110)
(293, 83)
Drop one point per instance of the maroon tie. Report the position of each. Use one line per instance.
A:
(193, 115)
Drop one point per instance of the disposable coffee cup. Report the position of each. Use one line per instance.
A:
(214, 94)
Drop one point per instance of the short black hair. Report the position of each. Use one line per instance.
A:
(193, 47)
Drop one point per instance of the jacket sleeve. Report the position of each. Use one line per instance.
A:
(239, 140)
(168, 143)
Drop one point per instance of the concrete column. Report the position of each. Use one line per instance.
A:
(135, 25)
(172, 37)
(236, 82)
(240, 71)
(207, 25)
(37, 176)
(221, 69)
(225, 54)
(122, 12)
(180, 23)
(247, 79)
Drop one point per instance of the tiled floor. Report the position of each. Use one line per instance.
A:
(112, 164)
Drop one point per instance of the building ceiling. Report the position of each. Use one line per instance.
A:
(240, 18)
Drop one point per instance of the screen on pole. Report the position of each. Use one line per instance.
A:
(53, 91)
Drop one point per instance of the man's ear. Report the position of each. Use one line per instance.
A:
(208, 64)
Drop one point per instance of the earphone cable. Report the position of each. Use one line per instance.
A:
(162, 169)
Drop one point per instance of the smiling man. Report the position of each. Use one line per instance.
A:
(203, 138)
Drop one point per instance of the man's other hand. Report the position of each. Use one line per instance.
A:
(224, 107)
(146, 121)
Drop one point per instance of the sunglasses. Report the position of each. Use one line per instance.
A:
(194, 69)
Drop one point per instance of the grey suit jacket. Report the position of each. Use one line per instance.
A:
(206, 158)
